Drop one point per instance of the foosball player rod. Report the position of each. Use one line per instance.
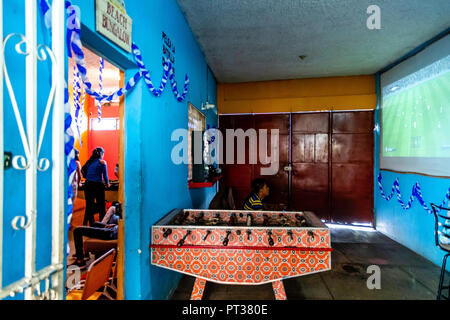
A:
(225, 242)
(167, 233)
(181, 242)
(266, 220)
(199, 218)
(232, 221)
(249, 220)
(206, 235)
(291, 234)
(271, 242)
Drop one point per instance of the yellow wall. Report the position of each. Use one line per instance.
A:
(318, 94)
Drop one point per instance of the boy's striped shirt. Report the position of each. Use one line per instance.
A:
(253, 203)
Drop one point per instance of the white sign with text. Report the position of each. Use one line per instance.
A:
(113, 22)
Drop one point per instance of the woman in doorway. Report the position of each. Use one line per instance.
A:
(96, 175)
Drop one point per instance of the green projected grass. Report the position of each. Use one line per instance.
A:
(416, 121)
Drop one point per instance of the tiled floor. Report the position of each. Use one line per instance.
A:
(404, 274)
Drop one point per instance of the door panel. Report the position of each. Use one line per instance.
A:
(236, 174)
(279, 182)
(352, 168)
(353, 122)
(352, 178)
(310, 171)
(309, 148)
(240, 176)
(311, 122)
(310, 177)
(331, 161)
(349, 148)
(273, 121)
(316, 202)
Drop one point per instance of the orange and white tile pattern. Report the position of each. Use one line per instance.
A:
(240, 266)
(278, 290)
(319, 238)
(199, 289)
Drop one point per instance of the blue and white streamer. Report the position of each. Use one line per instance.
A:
(100, 88)
(80, 116)
(76, 100)
(76, 46)
(179, 97)
(69, 151)
(415, 194)
(146, 74)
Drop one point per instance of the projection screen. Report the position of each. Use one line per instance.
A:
(415, 113)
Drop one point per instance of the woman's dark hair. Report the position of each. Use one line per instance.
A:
(258, 184)
(77, 155)
(96, 154)
(118, 207)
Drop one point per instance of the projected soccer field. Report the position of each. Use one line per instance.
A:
(416, 119)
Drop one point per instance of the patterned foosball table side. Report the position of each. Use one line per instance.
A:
(241, 255)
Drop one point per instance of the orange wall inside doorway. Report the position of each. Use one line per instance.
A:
(108, 140)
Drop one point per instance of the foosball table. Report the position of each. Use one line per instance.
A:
(241, 247)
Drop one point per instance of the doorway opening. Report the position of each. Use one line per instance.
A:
(98, 190)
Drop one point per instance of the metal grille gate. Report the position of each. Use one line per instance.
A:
(51, 277)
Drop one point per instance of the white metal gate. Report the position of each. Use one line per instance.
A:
(51, 277)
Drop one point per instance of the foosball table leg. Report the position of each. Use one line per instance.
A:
(199, 289)
(278, 290)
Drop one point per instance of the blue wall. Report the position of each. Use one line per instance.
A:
(414, 228)
(153, 184)
(14, 180)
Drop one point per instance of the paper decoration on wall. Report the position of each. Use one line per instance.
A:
(415, 194)
(100, 88)
(76, 101)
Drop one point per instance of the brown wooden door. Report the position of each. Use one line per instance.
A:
(240, 176)
(352, 167)
(331, 155)
(279, 183)
(310, 163)
(236, 176)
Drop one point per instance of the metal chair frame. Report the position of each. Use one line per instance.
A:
(438, 233)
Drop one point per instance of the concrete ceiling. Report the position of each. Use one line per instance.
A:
(258, 40)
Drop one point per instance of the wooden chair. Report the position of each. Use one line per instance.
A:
(118, 267)
(442, 232)
(98, 276)
(111, 285)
